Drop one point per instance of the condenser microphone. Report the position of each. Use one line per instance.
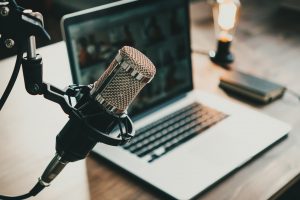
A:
(101, 110)
(129, 72)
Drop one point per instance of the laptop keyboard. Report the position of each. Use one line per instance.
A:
(158, 138)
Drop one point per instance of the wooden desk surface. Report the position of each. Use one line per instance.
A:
(265, 45)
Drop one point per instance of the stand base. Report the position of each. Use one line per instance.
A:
(223, 61)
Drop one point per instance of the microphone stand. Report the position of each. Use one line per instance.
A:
(19, 26)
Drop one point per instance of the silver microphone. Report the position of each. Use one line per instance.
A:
(128, 73)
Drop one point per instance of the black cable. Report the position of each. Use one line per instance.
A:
(200, 51)
(38, 187)
(13, 78)
(25, 196)
(33, 192)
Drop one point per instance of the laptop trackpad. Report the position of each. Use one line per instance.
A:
(235, 140)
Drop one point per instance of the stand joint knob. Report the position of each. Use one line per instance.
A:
(9, 43)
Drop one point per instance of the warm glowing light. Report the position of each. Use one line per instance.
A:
(227, 15)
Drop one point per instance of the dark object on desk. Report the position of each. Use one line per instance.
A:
(252, 87)
(222, 56)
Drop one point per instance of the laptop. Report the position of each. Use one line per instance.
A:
(186, 140)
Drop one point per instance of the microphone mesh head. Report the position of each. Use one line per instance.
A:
(128, 73)
(140, 62)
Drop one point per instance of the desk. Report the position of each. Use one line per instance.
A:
(260, 48)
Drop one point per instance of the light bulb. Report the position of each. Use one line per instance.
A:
(225, 14)
(226, 18)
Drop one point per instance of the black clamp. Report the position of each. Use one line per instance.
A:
(18, 24)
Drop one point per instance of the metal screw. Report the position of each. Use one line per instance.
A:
(9, 43)
(35, 88)
(4, 11)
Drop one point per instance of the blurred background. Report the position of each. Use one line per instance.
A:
(280, 10)
(53, 10)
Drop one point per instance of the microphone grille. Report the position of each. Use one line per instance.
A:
(138, 60)
(128, 73)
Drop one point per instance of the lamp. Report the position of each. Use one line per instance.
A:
(225, 14)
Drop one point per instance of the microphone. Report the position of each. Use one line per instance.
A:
(102, 106)
(101, 110)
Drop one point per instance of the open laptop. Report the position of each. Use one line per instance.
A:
(186, 140)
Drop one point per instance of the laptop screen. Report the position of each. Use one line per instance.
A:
(158, 28)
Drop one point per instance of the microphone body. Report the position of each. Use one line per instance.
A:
(129, 72)
(80, 134)
(100, 110)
